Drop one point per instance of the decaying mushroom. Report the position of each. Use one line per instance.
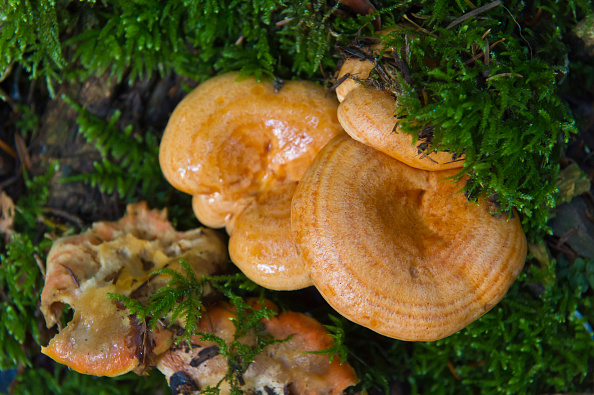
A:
(400, 250)
(231, 142)
(118, 257)
(282, 368)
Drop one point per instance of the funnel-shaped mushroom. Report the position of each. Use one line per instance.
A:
(400, 250)
(228, 142)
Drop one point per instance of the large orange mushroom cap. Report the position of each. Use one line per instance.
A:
(231, 144)
(400, 250)
(237, 137)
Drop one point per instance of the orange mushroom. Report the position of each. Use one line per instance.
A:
(400, 250)
(367, 115)
(353, 71)
(229, 143)
(118, 257)
(280, 368)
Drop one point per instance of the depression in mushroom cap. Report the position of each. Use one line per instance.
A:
(232, 144)
(400, 250)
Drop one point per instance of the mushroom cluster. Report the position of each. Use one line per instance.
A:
(375, 223)
(105, 339)
(387, 238)
(240, 147)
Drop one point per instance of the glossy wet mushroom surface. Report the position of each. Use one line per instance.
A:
(401, 250)
(233, 144)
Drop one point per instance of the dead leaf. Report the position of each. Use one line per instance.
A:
(572, 182)
(6, 214)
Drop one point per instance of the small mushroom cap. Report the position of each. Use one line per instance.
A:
(261, 244)
(215, 211)
(357, 69)
(400, 250)
(367, 115)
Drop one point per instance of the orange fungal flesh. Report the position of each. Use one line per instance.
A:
(400, 250)
(118, 257)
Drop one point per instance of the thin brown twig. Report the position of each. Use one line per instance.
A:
(474, 12)
(7, 99)
(8, 149)
(479, 56)
(72, 275)
(340, 81)
(283, 22)
(566, 236)
(504, 75)
(422, 29)
(60, 213)
(40, 264)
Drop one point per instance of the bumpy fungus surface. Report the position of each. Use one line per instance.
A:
(228, 143)
(397, 249)
(117, 257)
(284, 368)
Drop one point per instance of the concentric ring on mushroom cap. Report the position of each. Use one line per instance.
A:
(397, 249)
(367, 115)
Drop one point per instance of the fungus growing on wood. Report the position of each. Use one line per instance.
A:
(118, 257)
(229, 143)
(280, 368)
(400, 250)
